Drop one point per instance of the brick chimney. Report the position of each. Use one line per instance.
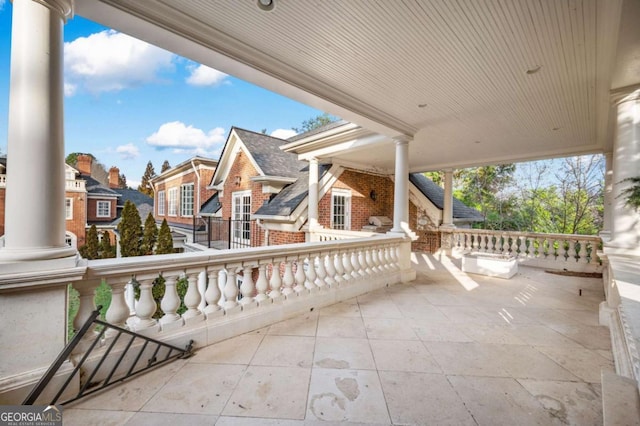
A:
(114, 177)
(83, 164)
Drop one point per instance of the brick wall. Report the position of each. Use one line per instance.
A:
(92, 208)
(362, 206)
(78, 223)
(188, 178)
(282, 237)
(242, 168)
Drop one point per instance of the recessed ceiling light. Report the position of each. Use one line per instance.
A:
(422, 105)
(534, 69)
(266, 5)
(476, 141)
(556, 128)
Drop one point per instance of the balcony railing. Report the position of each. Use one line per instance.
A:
(554, 251)
(326, 234)
(75, 185)
(276, 283)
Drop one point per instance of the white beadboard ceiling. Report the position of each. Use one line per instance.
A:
(473, 82)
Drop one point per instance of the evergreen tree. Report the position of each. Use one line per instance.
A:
(130, 229)
(145, 183)
(165, 241)
(122, 181)
(90, 249)
(165, 166)
(150, 236)
(107, 250)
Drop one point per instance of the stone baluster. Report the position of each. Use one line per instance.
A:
(321, 272)
(288, 279)
(522, 247)
(192, 298)
(582, 255)
(395, 258)
(87, 293)
(384, 259)
(118, 311)
(213, 294)
(367, 261)
(554, 252)
(247, 287)
(339, 268)
(230, 289)
(312, 281)
(130, 296)
(170, 301)
(500, 243)
(275, 282)
(300, 277)
(593, 255)
(355, 263)
(262, 285)
(202, 288)
(375, 265)
(146, 307)
(331, 270)
(572, 251)
(348, 268)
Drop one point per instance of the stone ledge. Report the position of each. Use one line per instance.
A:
(620, 401)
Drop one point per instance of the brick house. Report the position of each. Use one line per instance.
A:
(263, 191)
(178, 195)
(88, 201)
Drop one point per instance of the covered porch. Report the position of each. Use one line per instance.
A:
(413, 119)
(447, 348)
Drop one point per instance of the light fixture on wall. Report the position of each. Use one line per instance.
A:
(237, 180)
(373, 195)
(266, 5)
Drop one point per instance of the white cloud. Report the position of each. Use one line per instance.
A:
(128, 151)
(203, 75)
(283, 133)
(187, 139)
(111, 61)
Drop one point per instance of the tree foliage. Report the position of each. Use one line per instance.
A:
(92, 247)
(130, 229)
(165, 241)
(165, 166)
(145, 183)
(632, 193)
(315, 122)
(122, 181)
(149, 236)
(107, 250)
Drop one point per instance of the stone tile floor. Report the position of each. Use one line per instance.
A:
(448, 348)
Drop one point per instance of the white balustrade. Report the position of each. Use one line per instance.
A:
(571, 252)
(212, 291)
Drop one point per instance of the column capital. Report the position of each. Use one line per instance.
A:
(312, 160)
(402, 139)
(63, 7)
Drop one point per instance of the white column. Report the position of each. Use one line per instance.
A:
(401, 186)
(625, 221)
(35, 213)
(313, 194)
(605, 234)
(447, 211)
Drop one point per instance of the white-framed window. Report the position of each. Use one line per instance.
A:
(68, 208)
(173, 202)
(241, 219)
(161, 203)
(186, 200)
(341, 209)
(103, 209)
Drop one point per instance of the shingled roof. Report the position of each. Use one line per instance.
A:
(266, 152)
(94, 187)
(212, 205)
(436, 195)
(287, 200)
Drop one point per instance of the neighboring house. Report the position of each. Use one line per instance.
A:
(263, 192)
(88, 201)
(178, 194)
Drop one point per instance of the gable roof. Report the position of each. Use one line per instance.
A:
(435, 194)
(266, 152)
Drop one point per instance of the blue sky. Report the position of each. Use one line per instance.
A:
(147, 104)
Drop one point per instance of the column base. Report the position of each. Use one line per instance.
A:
(35, 253)
(605, 235)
